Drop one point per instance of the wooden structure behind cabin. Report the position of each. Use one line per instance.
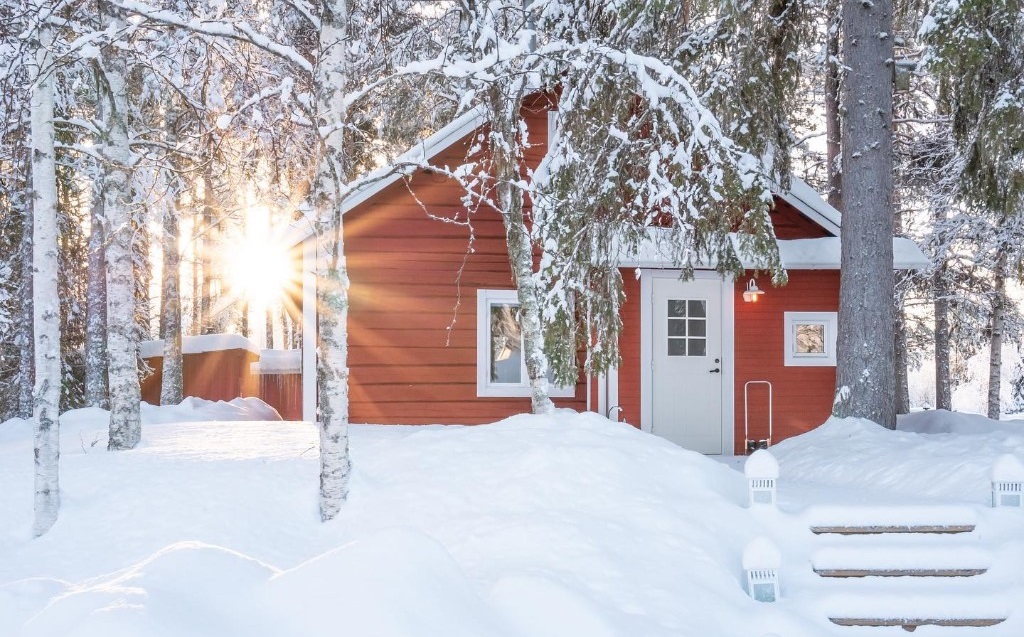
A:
(214, 367)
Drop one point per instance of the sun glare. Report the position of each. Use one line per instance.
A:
(260, 267)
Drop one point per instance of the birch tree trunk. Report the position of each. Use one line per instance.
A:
(943, 385)
(507, 165)
(122, 335)
(864, 373)
(45, 293)
(332, 273)
(170, 309)
(995, 357)
(26, 338)
(96, 310)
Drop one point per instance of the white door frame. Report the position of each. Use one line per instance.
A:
(647, 277)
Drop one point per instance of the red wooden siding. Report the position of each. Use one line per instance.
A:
(412, 318)
(790, 223)
(629, 345)
(283, 392)
(802, 395)
(220, 375)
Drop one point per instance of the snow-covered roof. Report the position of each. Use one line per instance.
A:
(824, 254)
(796, 254)
(809, 202)
(200, 344)
(278, 361)
(403, 165)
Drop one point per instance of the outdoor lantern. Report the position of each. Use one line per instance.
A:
(762, 471)
(751, 294)
(1007, 482)
(761, 561)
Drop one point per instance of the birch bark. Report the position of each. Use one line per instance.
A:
(170, 310)
(26, 339)
(332, 274)
(122, 337)
(506, 160)
(45, 294)
(96, 310)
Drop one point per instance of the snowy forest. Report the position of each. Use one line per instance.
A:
(153, 155)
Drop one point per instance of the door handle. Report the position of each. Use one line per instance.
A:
(715, 371)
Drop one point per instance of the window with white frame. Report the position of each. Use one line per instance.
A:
(810, 339)
(500, 364)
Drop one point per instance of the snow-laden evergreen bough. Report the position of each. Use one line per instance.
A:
(638, 147)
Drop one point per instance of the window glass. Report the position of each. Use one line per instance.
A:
(506, 344)
(810, 338)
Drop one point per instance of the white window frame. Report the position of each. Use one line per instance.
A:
(484, 387)
(826, 359)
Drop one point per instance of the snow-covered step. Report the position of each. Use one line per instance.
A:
(887, 520)
(922, 609)
(901, 560)
(877, 529)
(910, 623)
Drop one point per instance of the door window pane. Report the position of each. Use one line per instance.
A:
(698, 308)
(677, 347)
(676, 308)
(677, 327)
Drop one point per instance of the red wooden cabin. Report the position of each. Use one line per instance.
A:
(431, 339)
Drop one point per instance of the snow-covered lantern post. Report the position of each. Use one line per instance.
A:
(761, 561)
(762, 471)
(1007, 482)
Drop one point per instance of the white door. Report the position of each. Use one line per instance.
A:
(687, 363)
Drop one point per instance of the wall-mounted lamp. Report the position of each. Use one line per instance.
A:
(752, 292)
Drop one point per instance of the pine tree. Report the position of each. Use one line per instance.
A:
(864, 370)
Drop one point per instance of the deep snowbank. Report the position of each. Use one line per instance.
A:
(531, 527)
(857, 454)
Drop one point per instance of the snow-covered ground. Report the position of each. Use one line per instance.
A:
(534, 526)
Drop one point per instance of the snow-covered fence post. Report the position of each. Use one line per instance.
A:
(762, 471)
(1007, 482)
(761, 561)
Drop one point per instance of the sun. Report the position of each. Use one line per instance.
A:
(260, 268)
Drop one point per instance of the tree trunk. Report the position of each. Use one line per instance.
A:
(506, 161)
(45, 292)
(206, 255)
(901, 358)
(332, 273)
(833, 121)
(995, 360)
(864, 373)
(943, 386)
(170, 310)
(122, 339)
(25, 338)
(96, 310)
